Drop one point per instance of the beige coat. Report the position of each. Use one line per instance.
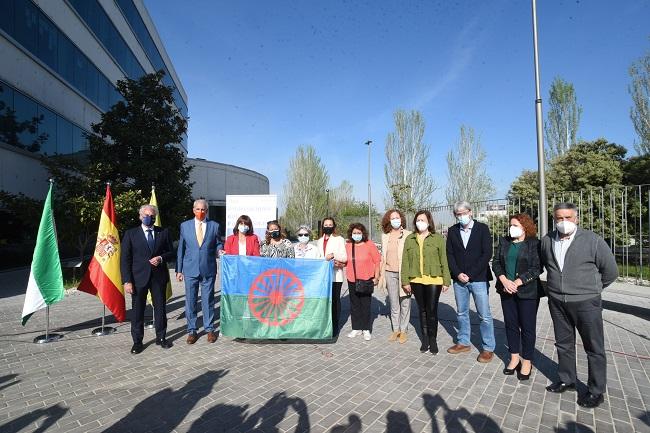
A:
(335, 245)
(384, 250)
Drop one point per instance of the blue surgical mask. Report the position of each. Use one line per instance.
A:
(148, 220)
(396, 223)
(303, 239)
(464, 219)
(243, 228)
(357, 237)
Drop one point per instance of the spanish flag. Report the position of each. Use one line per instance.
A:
(154, 202)
(103, 275)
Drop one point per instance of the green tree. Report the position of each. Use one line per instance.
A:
(636, 170)
(563, 118)
(640, 111)
(135, 145)
(467, 177)
(407, 178)
(304, 190)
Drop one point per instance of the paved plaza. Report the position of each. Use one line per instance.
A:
(84, 383)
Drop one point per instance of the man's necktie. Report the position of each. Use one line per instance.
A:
(150, 241)
(199, 234)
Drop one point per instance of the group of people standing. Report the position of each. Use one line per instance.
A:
(418, 264)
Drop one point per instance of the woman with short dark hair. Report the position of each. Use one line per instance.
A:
(362, 272)
(516, 265)
(243, 241)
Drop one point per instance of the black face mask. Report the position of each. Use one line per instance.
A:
(275, 234)
(328, 230)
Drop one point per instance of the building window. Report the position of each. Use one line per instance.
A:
(47, 42)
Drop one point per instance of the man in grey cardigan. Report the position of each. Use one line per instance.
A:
(579, 266)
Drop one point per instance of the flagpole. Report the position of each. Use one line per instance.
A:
(149, 324)
(47, 338)
(104, 330)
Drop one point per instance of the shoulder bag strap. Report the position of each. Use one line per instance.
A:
(354, 268)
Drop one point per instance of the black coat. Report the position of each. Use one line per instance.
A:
(474, 261)
(134, 260)
(527, 270)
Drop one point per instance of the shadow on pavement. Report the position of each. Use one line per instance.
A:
(8, 378)
(224, 417)
(52, 414)
(352, 426)
(166, 409)
(640, 312)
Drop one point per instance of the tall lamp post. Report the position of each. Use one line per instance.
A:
(543, 212)
(368, 143)
(327, 203)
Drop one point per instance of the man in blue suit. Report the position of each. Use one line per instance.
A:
(196, 264)
(145, 251)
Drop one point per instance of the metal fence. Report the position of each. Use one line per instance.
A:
(619, 214)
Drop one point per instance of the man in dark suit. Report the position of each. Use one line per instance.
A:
(145, 252)
(469, 249)
(196, 264)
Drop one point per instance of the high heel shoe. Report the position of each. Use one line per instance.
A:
(522, 376)
(510, 371)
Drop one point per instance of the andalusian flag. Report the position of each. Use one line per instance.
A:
(103, 275)
(275, 298)
(45, 285)
(154, 202)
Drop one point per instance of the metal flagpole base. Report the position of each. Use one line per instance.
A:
(106, 330)
(149, 324)
(49, 338)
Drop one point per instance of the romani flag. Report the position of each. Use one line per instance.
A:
(103, 275)
(45, 284)
(154, 202)
(273, 298)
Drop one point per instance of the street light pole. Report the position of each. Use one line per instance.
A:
(327, 203)
(543, 212)
(368, 143)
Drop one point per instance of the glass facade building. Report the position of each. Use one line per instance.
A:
(55, 82)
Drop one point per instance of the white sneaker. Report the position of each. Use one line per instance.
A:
(353, 333)
(366, 335)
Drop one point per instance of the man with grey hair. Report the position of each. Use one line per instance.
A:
(196, 264)
(469, 249)
(579, 266)
(145, 251)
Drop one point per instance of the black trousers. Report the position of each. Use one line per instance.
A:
(587, 318)
(336, 306)
(139, 303)
(427, 296)
(359, 308)
(520, 318)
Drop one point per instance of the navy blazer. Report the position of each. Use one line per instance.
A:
(474, 261)
(134, 259)
(527, 269)
(192, 260)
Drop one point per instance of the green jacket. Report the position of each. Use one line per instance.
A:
(435, 258)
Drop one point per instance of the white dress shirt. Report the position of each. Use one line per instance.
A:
(560, 247)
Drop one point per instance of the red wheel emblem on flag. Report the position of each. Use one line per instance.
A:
(276, 297)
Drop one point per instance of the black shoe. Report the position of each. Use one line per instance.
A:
(433, 348)
(522, 376)
(510, 371)
(163, 343)
(424, 347)
(137, 348)
(590, 400)
(560, 387)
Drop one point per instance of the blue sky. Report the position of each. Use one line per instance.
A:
(264, 77)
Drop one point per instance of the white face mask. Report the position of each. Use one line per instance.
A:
(566, 227)
(422, 225)
(303, 239)
(515, 232)
(396, 223)
(243, 228)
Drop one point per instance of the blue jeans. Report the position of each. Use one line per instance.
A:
(479, 291)
(207, 302)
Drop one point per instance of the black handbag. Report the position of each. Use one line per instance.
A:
(362, 287)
